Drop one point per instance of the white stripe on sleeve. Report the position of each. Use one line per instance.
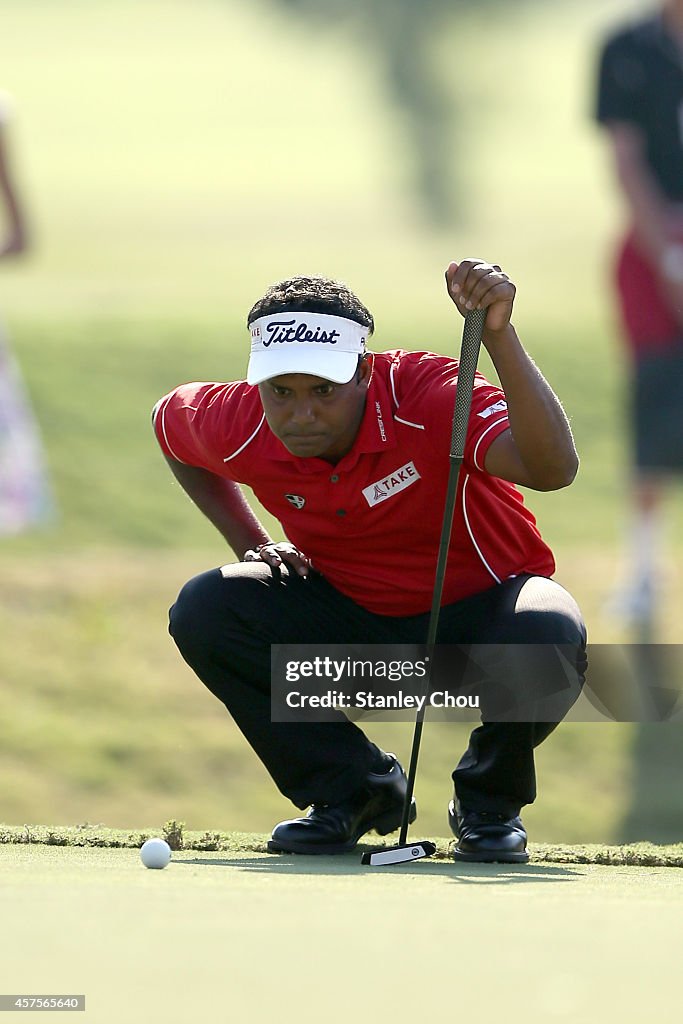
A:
(489, 428)
(160, 411)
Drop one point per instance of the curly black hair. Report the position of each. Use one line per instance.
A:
(312, 295)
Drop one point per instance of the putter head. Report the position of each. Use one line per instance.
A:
(399, 854)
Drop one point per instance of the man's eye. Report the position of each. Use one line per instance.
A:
(325, 389)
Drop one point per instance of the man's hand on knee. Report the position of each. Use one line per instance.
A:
(277, 553)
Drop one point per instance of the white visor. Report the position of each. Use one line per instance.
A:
(314, 343)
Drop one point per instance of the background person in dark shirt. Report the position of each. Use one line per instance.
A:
(640, 104)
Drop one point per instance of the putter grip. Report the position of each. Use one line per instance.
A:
(472, 332)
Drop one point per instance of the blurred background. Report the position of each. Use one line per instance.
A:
(174, 159)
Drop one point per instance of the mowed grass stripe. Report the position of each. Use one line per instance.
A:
(241, 844)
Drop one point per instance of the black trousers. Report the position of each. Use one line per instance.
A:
(225, 620)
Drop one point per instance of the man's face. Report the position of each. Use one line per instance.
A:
(314, 417)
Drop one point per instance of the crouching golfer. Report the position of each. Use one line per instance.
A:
(317, 426)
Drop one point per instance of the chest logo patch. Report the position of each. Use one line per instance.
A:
(296, 500)
(391, 484)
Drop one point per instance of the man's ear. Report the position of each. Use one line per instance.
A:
(364, 370)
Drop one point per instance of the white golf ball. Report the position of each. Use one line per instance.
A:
(155, 853)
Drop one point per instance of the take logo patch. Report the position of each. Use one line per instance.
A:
(391, 484)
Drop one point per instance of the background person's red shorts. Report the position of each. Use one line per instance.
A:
(656, 341)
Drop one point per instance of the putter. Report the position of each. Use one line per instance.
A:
(469, 354)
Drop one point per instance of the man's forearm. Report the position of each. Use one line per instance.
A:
(647, 208)
(538, 423)
(647, 205)
(223, 504)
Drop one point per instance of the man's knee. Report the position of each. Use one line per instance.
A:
(535, 661)
(545, 613)
(550, 627)
(213, 602)
(205, 605)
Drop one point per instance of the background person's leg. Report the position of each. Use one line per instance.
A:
(25, 496)
(654, 415)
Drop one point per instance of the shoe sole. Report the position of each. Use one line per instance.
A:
(273, 847)
(385, 824)
(492, 857)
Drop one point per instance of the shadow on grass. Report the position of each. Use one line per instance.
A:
(349, 864)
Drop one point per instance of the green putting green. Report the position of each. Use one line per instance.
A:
(243, 935)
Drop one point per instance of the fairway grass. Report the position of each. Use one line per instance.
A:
(181, 183)
(239, 935)
(101, 720)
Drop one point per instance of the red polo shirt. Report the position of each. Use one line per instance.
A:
(371, 523)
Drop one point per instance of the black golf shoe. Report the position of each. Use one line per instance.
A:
(336, 828)
(487, 838)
